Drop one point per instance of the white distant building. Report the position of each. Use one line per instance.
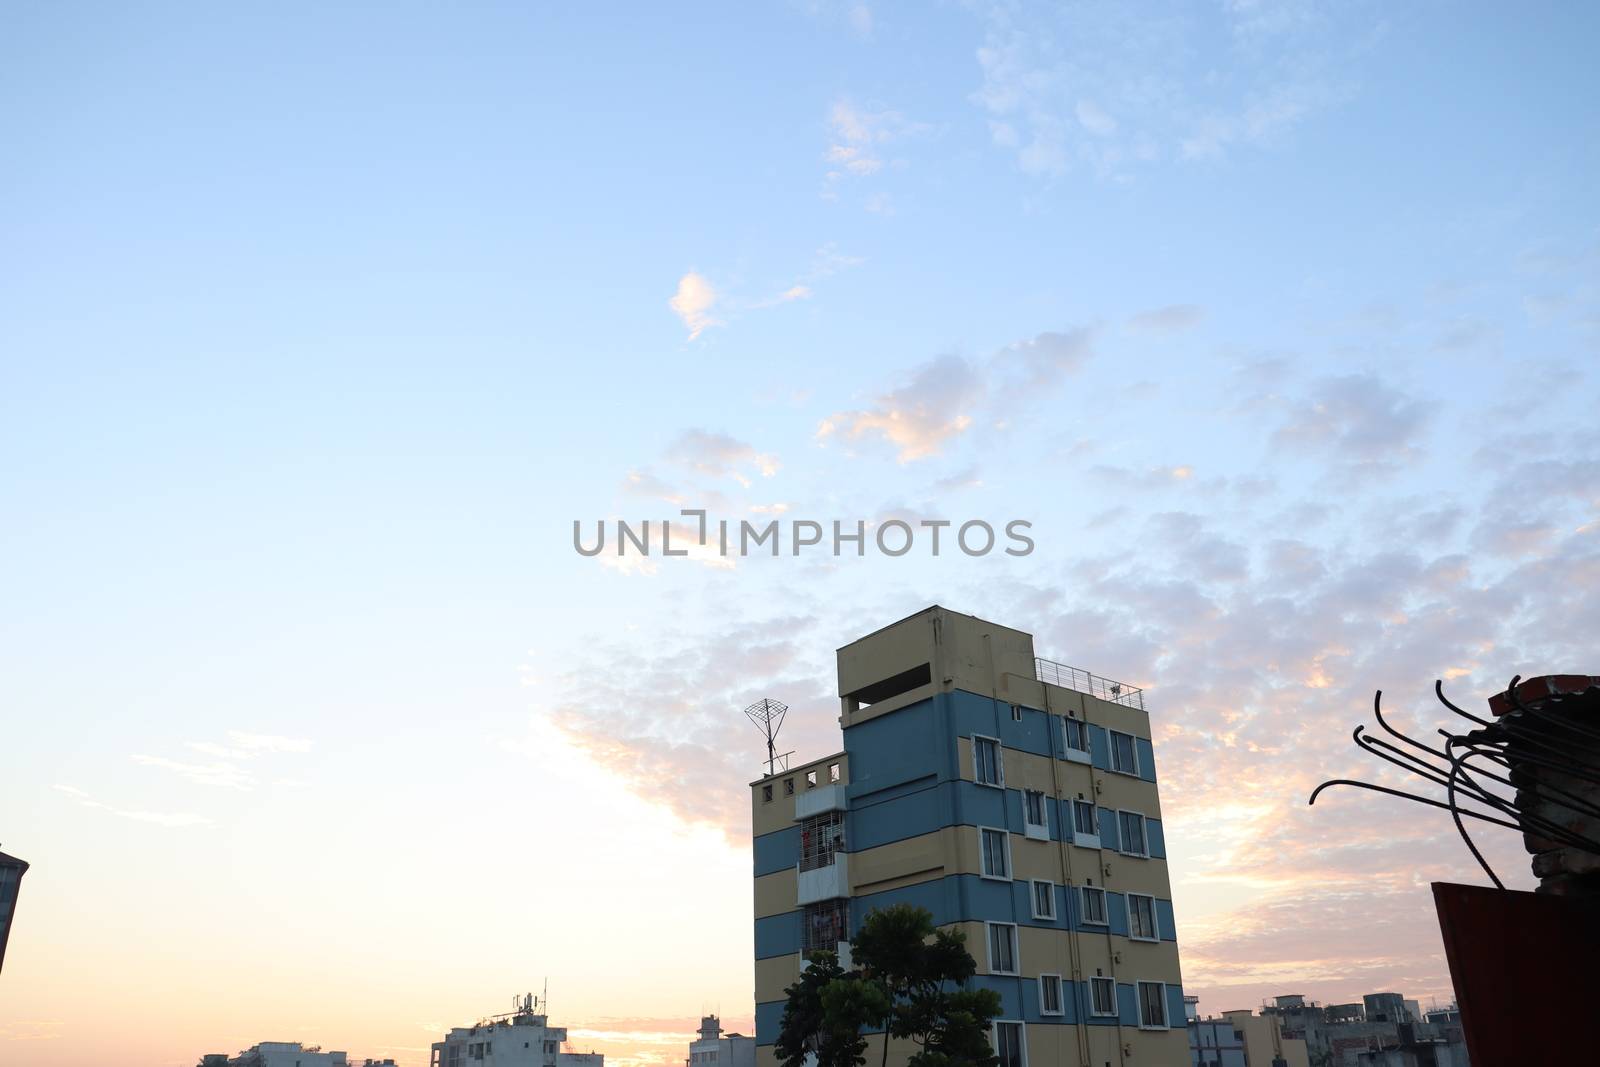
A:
(521, 1038)
(288, 1054)
(714, 1050)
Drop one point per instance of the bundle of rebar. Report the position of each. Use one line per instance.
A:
(1534, 769)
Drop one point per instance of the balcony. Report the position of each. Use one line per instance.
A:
(819, 799)
(1081, 681)
(826, 882)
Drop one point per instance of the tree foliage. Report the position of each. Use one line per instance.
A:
(909, 980)
(826, 1011)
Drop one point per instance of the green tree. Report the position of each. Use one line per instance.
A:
(825, 1014)
(910, 981)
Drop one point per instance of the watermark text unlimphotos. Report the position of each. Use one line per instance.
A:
(776, 537)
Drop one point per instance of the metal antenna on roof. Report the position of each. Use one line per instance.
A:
(768, 714)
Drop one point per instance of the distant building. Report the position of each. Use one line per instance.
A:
(11, 872)
(285, 1054)
(1215, 1043)
(1382, 1031)
(712, 1049)
(521, 1038)
(1240, 1039)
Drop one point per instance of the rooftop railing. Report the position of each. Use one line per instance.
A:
(1083, 682)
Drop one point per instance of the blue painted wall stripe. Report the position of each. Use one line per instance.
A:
(1019, 999)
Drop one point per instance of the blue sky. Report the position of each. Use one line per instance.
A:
(319, 328)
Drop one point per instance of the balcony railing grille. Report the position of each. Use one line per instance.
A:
(821, 838)
(1082, 681)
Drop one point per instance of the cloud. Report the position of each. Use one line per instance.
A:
(721, 456)
(939, 401)
(693, 303)
(1170, 319)
(919, 417)
(857, 137)
(1359, 420)
(273, 743)
(242, 745)
(1043, 360)
(158, 818)
(222, 775)
(644, 483)
(1114, 89)
(663, 728)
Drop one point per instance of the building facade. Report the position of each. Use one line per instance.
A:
(713, 1048)
(521, 1038)
(1016, 800)
(11, 872)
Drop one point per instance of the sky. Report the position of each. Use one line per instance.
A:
(320, 327)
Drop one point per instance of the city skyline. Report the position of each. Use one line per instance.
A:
(1276, 321)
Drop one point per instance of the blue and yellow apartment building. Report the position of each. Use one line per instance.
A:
(1014, 798)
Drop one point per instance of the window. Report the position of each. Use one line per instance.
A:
(1141, 917)
(986, 761)
(1049, 994)
(1102, 996)
(1084, 830)
(1016, 713)
(1124, 754)
(1077, 734)
(833, 772)
(811, 779)
(1036, 823)
(1043, 897)
(823, 925)
(1008, 1045)
(1131, 826)
(1002, 948)
(995, 847)
(821, 838)
(788, 787)
(1152, 1006)
(1094, 904)
(766, 793)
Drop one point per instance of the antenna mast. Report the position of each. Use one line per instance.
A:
(768, 715)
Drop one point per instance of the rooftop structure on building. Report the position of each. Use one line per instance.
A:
(713, 1048)
(1013, 797)
(522, 1037)
(11, 872)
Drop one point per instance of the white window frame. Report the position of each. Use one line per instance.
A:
(1077, 755)
(1083, 906)
(1133, 747)
(1006, 835)
(1016, 947)
(999, 762)
(1061, 1006)
(1086, 840)
(1022, 1038)
(1037, 831)
(1033, 898)
(1097, 1013)
(1138, 998)
(1155, 920)
(1144, 834)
